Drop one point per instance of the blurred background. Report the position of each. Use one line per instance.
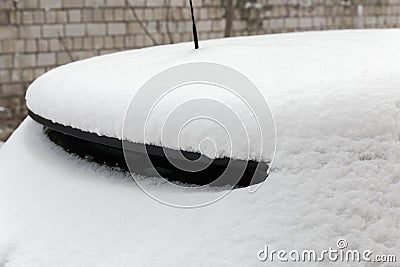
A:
(38, 35)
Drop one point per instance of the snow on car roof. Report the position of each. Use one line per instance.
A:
(336, 100)
(300, 72)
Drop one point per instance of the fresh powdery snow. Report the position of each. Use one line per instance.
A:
(307, 68)
(335, 97)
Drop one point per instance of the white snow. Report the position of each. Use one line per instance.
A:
(313, 69)
(336, 101)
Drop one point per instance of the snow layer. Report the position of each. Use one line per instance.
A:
(336, 101)
(307, 73)
(58, 210)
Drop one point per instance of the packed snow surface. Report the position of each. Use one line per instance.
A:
(336, 101)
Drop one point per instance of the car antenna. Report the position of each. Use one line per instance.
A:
(195, 38)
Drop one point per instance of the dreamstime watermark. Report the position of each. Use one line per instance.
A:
(200, 107)
(340, 253)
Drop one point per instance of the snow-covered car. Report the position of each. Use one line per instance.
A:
(335, 99)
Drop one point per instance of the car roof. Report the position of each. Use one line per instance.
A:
(300, 71)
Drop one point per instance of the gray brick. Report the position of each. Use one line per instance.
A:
(13, 46)
(61, 16)
(23, 61)
(16, 75)
(237, 25)
(77, 43)
(319, 22)
(276, 23)
(84, 54)
(134, 28)
(52, 30)
(30, 46)
(54, 45)
(137, 3)
(43, 45)
(291, 22)
(116, 28)
(75, 30)
(15, 17)
(5, 61)
(63, 58)
(108, 15)
(27, 17)
(148, 14)
(119, 42)
(6, 4)
(50, 17)
(38, 17)
(159, 13)
(108, 51)
(305, 22)
(88, 43)
(30, 32)
(4, 17)
(39, 71)
(46, 59)
(5, 76)
(204, 25)
(177, 2)
(98, 42)
(108, 42)
(155, 3)
(218, 25)
(74, 15)
(115, 3)
(87, 15)
(152, 27)
(130, 41)
(66, 42)
(96, 29)
(73, 3)
(15, 89)
(119, 14)
(28, 4)
(27, 75)
(370, 20)
(49, 4)
(8, 32)
(128, 15)
(94, 3)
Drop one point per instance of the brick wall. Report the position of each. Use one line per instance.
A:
(37, 35)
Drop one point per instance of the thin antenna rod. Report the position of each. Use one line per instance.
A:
(196, 39)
